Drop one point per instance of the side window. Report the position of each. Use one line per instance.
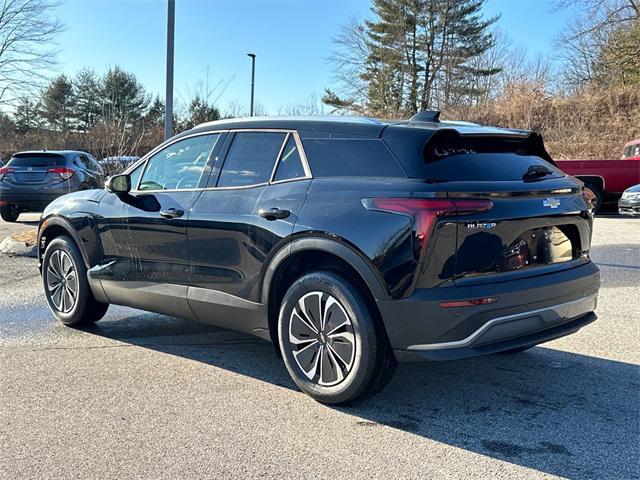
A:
(135, 176)
(290, 164)
(348, 157)
(83, 162)
(250, 159)
(180, 165)
(94, 165)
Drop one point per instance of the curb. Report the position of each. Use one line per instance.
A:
(15, 248)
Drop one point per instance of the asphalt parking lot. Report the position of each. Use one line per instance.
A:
(148, 396)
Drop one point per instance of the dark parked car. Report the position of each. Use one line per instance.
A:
(31, 180)
(349, 243)
(629, 203)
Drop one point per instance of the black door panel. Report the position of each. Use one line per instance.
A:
(230, 244)
(145, 230)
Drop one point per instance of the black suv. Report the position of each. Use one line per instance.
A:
(31, 180)
(349, 243)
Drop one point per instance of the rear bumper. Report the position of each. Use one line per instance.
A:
(629, 207)
(32, 199)
(528, 311)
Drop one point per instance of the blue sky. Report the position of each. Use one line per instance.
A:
(292, 39)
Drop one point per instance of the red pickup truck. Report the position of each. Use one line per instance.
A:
(607, 178)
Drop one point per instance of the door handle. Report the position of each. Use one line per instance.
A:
(273, 213)
(171, 213)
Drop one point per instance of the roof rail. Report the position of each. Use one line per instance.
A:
(426, 116)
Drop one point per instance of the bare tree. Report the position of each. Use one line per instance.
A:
(236, 109)
(583, 40)
(310, 106)
(348, 60)
(27, 31)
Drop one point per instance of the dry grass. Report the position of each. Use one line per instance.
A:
(592, 125)
(30, 237)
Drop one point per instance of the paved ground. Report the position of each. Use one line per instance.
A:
(147, 396)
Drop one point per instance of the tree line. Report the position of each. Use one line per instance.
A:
(448, 55)
(406, 56)
(87, 100)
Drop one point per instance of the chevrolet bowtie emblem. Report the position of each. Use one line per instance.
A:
(551, 202)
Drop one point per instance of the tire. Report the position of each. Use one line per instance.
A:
(513, 351)
(9, 213)
(62, 257)
(345, 359)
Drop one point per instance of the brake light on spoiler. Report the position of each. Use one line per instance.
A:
(64, 172)
(426, 211)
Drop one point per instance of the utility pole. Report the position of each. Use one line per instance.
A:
(168, 110)
(253, 79)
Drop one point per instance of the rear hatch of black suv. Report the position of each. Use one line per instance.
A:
(529, 218)
(538, 220)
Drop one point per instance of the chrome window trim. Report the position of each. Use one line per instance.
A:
(288, 132)
(145, 159)
(279, 156)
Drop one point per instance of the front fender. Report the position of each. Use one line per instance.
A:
(80, 226)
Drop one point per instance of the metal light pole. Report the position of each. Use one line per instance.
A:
(253, 79)
(168, 116)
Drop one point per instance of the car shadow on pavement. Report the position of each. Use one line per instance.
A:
(556, 412)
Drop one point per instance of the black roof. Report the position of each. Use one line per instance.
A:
(370, 127)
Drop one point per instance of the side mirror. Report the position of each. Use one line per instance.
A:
(118, 184)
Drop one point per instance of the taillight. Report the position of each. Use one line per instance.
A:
(589, 197)
(5, 171)
(64, 172)
(426, 211)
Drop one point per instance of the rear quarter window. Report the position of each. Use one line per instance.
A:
(349, 157)
(485, 167)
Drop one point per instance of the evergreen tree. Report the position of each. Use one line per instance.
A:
(618, 62)
(124, 98)
(87, 106)
(57, 102)
(420, 54)
(200, 111)
(155, 114)
(27, 115)
(7, 125)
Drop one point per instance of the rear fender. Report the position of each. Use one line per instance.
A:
(334, 247)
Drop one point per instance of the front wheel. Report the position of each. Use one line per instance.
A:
(9, 213)
(333, 345)
(66, 288)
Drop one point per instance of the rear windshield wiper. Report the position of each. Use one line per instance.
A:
(536, 171)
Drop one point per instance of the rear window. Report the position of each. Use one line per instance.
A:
(37, 161)
(350, 157)
(486, 167)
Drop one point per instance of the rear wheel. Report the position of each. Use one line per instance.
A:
(66, 287)
(9, 213)
(333, 347)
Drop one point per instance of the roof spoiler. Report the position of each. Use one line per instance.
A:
(426, 116)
